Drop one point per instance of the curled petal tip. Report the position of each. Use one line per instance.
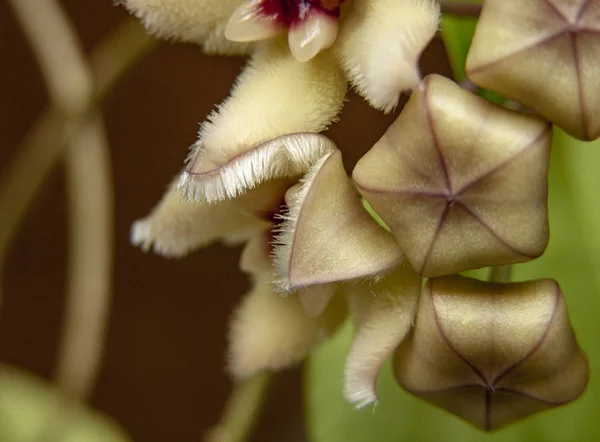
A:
(247, 23)
(265, 129)
(139, 235)
(383, 312)
(312, 35)
(175, 227)
(381, 42)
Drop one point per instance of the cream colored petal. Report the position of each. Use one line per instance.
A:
(383, 312)
(239, 146)
(248, 23)
(215, 43)
(271, 332)
(255, 257)
(327, 235)
(175, 227)
(313, 34)
(315, 299)
(380, 43)
(194, 21)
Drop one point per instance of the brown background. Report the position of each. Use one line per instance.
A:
(162, 376)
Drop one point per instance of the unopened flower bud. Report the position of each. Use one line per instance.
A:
(461, 182)
(543, 54)
(492, 353)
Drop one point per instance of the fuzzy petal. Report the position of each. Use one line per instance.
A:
(380, 43)
(276, 95)
(272, 332)
(383, 312)
(327, 235)
(175, 227)
(194, 21)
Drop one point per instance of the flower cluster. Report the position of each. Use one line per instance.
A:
(457, 183)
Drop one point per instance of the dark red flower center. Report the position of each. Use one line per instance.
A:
(288, 12)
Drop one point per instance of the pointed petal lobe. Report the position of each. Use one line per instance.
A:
(276, 95)
(176, 227)
(193, 21)
(383, 312)
(271, 332)
(312, 35)
(380, 44)
(247, 23)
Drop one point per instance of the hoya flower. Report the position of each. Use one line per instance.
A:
(364, 35)
(459, 182)
(248, 140)
(262, 139)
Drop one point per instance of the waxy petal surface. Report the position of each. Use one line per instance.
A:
(492, 353)
(543, 54)
(328, 236)
(461, 182)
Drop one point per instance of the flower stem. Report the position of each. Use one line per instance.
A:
(463, 9)
(45, 143)
(500, 273)
(241, 411)
(90, 197)
(70, 84)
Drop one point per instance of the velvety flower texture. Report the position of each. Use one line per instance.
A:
(329, 255)
(458, 182)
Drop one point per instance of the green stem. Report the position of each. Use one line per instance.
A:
(500, 273)
(46, 142)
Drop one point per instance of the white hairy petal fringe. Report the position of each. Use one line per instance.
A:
(270, 332)
(285, 156)
(194, 21)
(383, 313)
(176, 227)
(284, 233)
(380, 44)
(276, 95)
